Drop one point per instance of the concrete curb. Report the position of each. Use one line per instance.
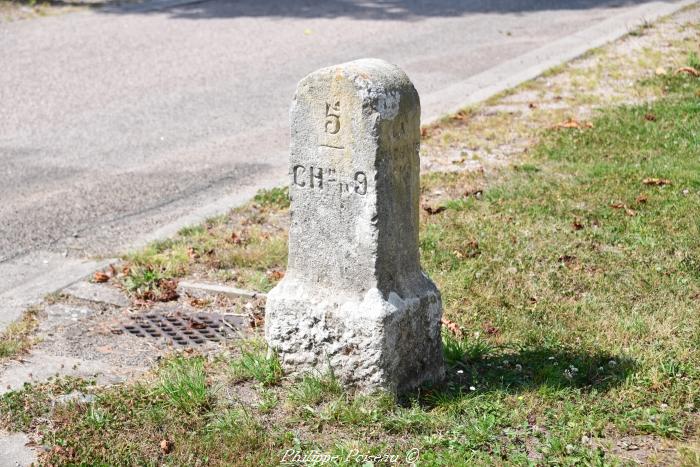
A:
(204, 289)
(532, 64)
(15, 301)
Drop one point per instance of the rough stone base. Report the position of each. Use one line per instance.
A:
(372, 343)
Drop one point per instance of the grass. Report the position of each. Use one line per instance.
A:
(255, 364)
(241, 247)
(573, 277)
(18, 337)
(183, 382)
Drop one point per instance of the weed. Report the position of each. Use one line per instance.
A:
(255, 364)
(183, 382)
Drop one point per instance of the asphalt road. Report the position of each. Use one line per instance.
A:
(114, 123)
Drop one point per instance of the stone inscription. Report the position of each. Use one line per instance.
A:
(333, 118)
(320, 178)
(331, 126)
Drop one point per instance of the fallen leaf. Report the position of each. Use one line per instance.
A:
(650, 117)
(196, 324)
(424, 132)
(453, 327)
(113, 270)
(275, 274)
(167, 290)
(641, 199)
(660, 71)
(235, 238)
(431, 210)
(199, 302)
(630, 212)
(656, 181)
(100, 277)
(617, 205)
(689, 70)
(532, 105)
(166, 446)
(461, 115)
(577, 224)
(192, 253)
(567, 259)
(573, 123)
(490, 329)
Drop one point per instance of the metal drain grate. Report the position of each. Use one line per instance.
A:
(186, 329)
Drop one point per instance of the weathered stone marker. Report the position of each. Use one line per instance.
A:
(354, 297)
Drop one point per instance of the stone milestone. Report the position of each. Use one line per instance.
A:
(354, 298)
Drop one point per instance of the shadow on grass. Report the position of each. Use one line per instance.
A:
(540, 369)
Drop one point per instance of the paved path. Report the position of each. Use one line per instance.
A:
(114, 124)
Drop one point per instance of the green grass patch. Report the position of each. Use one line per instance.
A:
(18, 337)
(255, 364)
(245, 247)
(184, 384)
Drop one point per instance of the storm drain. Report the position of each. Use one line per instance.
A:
(186, 329)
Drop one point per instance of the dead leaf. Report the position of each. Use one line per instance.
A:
(628, 211)
(275, 274)
(573, 123)
(431, 210)
(650, 117)
(453, 327)
(461, 115)
(100, 277)
(167, 290)
(192, 253)
(660, 71)
(490, 329)
(532, 105)
(424, 132)
(195, 324)
(235, 238)
(199, 302)
(689, 70)
(568, 259)
(166, 446)
(256, 312)
(577, 224)
(641, 199)
(113, 270)
(656, 181)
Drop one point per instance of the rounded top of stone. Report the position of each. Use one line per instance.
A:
(378, 83)
(374, 70)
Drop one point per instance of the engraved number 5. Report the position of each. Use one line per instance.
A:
(333, 118)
